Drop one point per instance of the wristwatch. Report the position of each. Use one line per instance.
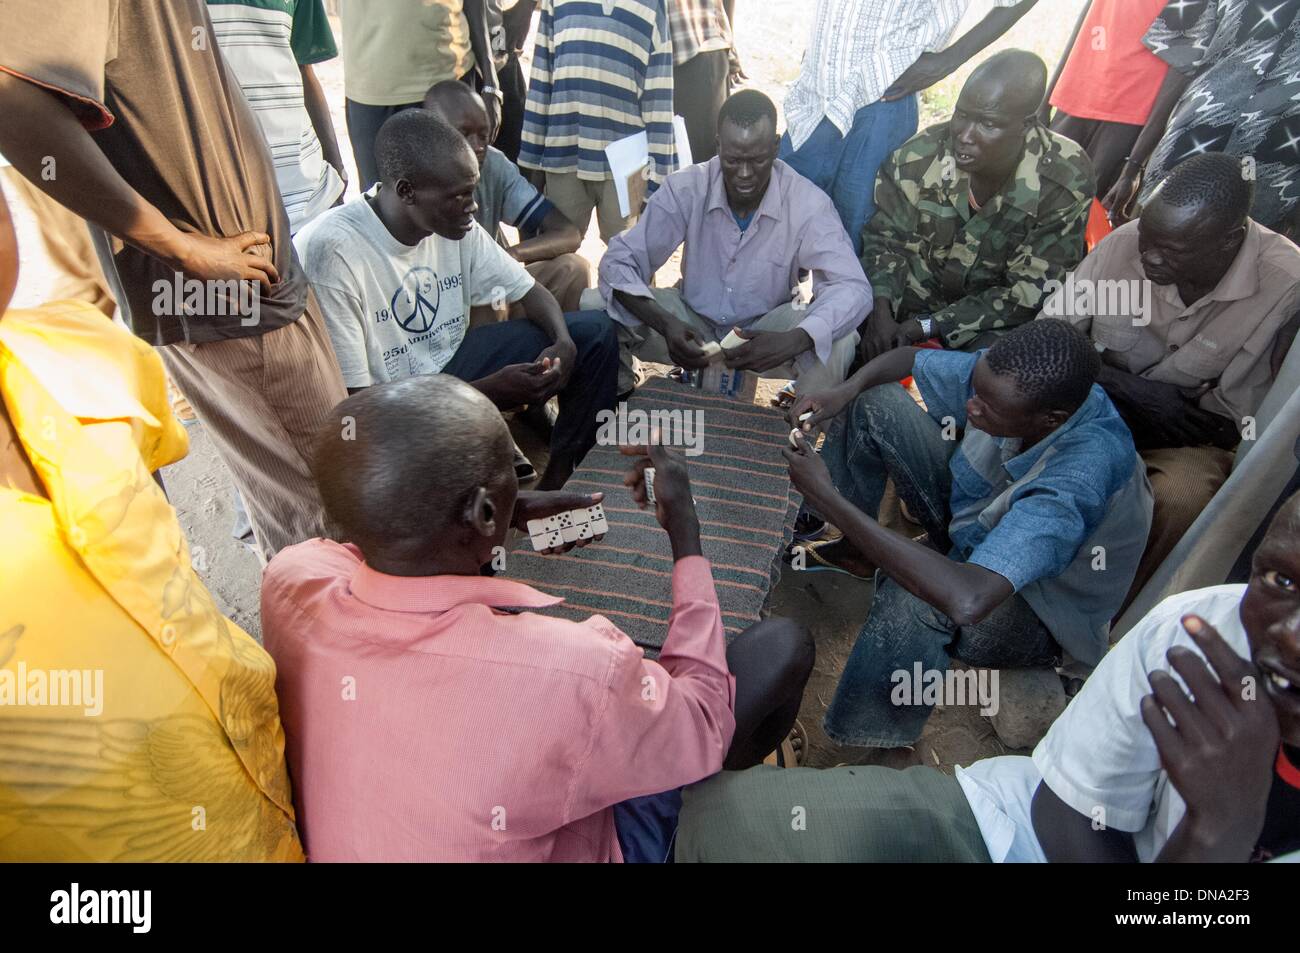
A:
(493, 91)
(927, 327)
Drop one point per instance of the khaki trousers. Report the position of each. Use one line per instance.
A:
(566, 277)
(1183, 481)
(263, 400)
(576, 198)
(641, 343)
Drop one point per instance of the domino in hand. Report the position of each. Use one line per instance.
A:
(732, 340)
(712, 350)
(568, 527)
(798, 431)
(650, 485)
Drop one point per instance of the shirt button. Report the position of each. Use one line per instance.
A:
(1184, 317)
(1173, 347)
(169, 635)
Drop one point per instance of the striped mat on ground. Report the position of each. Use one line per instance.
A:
(745, 505)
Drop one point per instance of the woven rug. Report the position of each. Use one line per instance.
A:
(745, 505)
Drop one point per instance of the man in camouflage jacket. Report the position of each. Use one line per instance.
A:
(975, 215)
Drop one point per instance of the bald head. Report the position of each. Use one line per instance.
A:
(399, 464)
(461, 108)
(451, 95)
(1016, 79)
(993, 116)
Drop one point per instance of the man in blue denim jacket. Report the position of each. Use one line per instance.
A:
(1027, 482)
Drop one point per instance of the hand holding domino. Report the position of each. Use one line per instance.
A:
(733, 340)
(570, 527)
(798, 432)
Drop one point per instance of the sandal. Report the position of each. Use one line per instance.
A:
(524, 469)
(785, 397)
(792, 750)
(816, 562)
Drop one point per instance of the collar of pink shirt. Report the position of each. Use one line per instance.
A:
(440, 593)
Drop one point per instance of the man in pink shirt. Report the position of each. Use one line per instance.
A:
(433, 713)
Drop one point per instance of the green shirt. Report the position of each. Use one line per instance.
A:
(927, 251)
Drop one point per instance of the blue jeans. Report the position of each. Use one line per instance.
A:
(647, 827)
(884, 435)
(591, 387)
(845, 167)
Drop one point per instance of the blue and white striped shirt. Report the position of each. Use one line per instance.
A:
(602, 70)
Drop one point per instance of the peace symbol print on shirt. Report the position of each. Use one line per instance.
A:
(415, 303)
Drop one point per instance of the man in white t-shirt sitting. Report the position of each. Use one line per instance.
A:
(397, 270)
(1183, 745)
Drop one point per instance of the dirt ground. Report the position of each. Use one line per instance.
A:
(770, 36)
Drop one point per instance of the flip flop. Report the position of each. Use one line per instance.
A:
(816, 562)
(524, 469)
(789, 754)
(784, 398)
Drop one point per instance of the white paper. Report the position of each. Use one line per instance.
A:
(683, 142)
(627, 156)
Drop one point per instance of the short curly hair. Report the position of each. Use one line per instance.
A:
(1053, 362)
(746, 108)
(414, 144)
(1213, 181)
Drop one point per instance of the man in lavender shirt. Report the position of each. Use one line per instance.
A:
(750, 225)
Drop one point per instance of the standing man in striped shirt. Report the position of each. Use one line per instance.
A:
(704, 63)
(854, 102)
(270, 46)
(597, 78)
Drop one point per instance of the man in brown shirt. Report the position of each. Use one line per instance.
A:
(125, 112)
(1193, 307)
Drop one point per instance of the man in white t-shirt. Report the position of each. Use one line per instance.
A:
(1183, 745)
(397, 270)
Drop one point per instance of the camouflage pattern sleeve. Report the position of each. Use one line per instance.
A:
(889, 237)
(1046, 209)
(1052, 248)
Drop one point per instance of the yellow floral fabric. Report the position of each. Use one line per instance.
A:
(185, 761)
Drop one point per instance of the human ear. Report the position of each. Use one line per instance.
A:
(480, 513)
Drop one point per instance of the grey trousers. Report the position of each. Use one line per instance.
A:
(868, 814)
(641, 343)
